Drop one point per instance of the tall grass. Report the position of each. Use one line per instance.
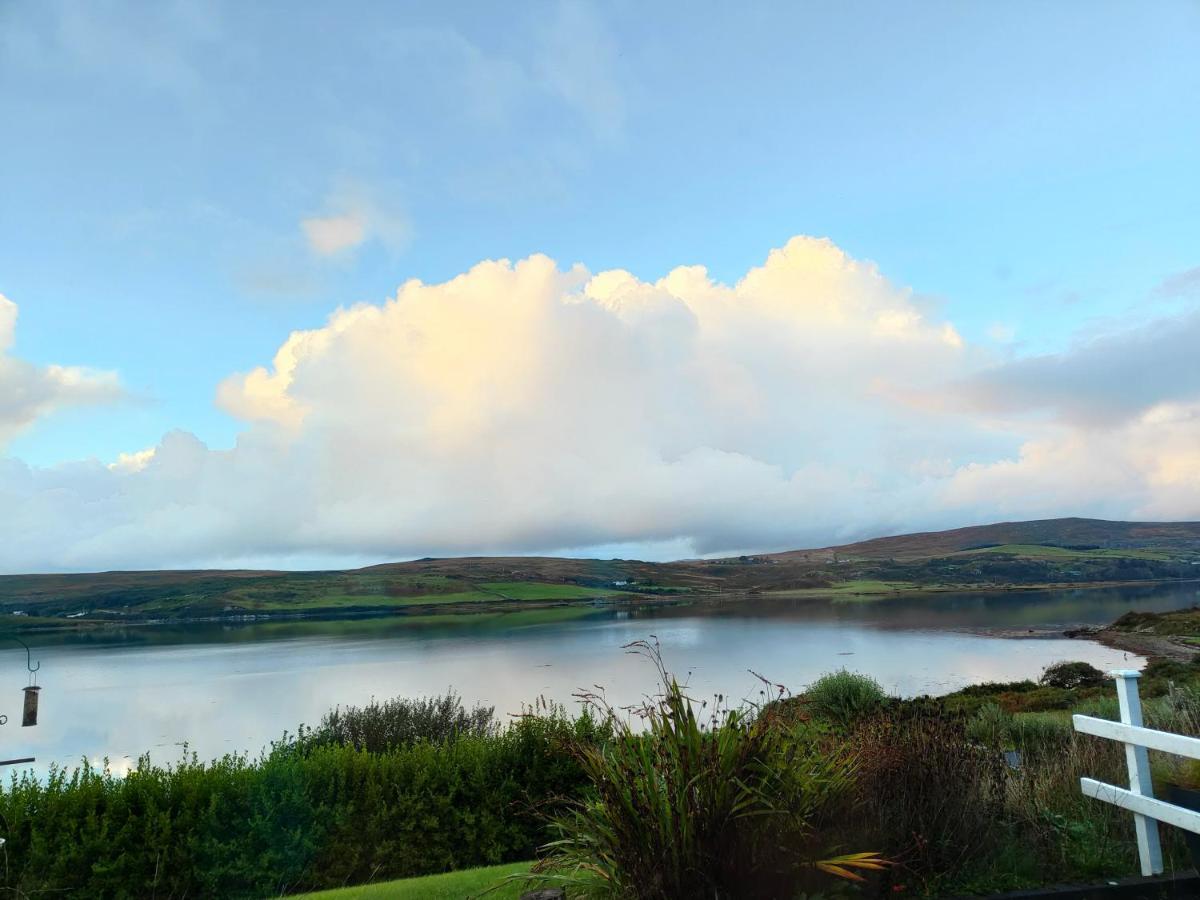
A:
(713, 802)
(1061, 830)
(925, 794)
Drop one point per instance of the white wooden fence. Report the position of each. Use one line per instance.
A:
(1139, 797)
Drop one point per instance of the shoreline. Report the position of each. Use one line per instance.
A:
(1142, 644)
(1151, 646)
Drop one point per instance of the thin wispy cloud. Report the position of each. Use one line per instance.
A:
(357, 215)
(578, 61)
(1180, 284)
(333, 235)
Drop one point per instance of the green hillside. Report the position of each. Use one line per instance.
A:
(1011, 555)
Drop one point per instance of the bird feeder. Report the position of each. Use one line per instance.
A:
(30, 710)
(29, 713)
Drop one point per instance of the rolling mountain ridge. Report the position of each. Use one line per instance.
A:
(1003, 556)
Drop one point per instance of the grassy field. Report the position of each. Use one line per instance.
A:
(849, 590)
(121, 595)
(451, 886)
(520, 590)
(488, 592)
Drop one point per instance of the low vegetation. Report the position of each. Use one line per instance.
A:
(843, 697)
(732, 803)
(302, 816)
(838, 791)
(1182, 623)
(379, 727)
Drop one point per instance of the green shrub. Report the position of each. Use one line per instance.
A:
(396, 723)
(842, 697)
(725, 807)
(1070, 675)
(298, 817)
(1169, 669)
(991, 688)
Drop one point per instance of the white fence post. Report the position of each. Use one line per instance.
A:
(1138, 760)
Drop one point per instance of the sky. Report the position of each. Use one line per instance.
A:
(326, 285)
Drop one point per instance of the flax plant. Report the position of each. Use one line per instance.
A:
(701, 801)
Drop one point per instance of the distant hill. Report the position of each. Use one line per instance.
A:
(1072, 533)
(1004, 556)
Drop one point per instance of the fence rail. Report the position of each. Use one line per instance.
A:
(1139, 797)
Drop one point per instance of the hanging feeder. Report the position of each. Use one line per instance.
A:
(29, 711)
(29, 714)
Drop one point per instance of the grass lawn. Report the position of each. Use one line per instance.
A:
(532, 590)
(481, 593)
(849, 590)
(450, 886)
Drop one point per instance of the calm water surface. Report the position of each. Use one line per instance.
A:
(234, 688)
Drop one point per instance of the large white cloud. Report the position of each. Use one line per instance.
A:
(28, 392)
(523, 407)
(1145, 468)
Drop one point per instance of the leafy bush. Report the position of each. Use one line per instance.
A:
(990, 688)
(1169, 669)
(842, 697)
(1069, 675)
(724, 807)
(301, 816)
(377, 727)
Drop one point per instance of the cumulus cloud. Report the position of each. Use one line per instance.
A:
(29, 392)
(525, 407)
(1147, 467)
(133, 462)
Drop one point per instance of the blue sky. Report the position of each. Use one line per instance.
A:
(1027, 170)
